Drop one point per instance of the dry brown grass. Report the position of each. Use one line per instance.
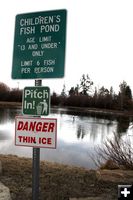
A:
(57, 182)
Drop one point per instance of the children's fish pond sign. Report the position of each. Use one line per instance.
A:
(39, 45)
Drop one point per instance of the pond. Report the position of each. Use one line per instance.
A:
(78, 135)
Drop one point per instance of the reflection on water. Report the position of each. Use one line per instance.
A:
(80, 131)
(8, 115)
(76, 137)
(122, 126)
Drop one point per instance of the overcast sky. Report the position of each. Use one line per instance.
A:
(99, 41)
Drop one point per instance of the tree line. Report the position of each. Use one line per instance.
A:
(10, 94)
(84, 94)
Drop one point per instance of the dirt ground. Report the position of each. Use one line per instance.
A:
(60, 182)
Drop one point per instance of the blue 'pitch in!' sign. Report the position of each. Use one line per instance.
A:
(39, 45)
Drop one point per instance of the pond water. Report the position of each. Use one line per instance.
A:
(78, 135)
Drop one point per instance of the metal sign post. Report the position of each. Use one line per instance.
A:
(36, 164)
(38, 53)
(35, 173)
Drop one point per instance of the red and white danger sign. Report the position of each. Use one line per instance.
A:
(35, 132)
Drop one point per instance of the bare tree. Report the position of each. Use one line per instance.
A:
(85, 84)
(117, 151)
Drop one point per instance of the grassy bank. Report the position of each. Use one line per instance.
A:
(59, 182)
(56, 181)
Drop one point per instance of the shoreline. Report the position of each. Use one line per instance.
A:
(60, 182)
(6, 104)
(99, 111)
(79, 110)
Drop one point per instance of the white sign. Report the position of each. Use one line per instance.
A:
(36, 132)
